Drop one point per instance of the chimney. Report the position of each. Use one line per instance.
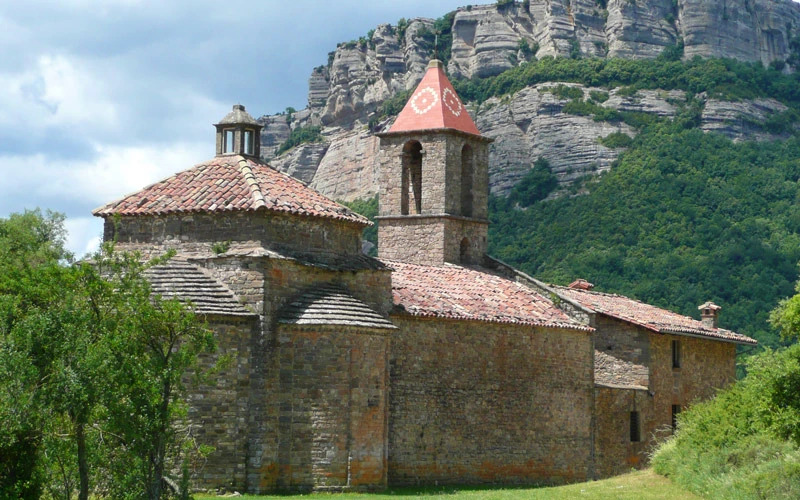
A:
(581, 284)
(709, 312)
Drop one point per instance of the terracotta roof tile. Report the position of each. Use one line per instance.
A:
(434, 105)
(647, 316)
(230, 183)
(456, 292)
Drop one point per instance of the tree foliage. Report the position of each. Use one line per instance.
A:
(535, 185)
(92, 367)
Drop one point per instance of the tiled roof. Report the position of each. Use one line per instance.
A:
(188, 283)
(434, 105)
(647, 316)
(616, 372)
(456, 292)
(230, 183)
(331, 305)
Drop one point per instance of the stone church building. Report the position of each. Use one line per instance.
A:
(431, 364)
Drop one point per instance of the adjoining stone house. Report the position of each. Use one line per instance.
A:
(433, 363)
(649, 364)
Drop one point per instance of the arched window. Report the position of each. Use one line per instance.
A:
(411, 183)
(464, 253)
(466, 181)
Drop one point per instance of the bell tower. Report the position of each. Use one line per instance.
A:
(434, 179)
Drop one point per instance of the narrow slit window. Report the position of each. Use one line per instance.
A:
(676, 409)
(676, 354)
(228, 141)
(636, 430)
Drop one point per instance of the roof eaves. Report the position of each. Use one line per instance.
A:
(621, 386)
(394, 133)
(495, 319)
(740, 339)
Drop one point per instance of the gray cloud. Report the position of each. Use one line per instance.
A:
(102, 97)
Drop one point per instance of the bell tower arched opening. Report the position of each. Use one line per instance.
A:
(411, 182)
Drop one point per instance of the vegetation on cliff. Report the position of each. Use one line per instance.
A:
(724, 78)
(301, 135)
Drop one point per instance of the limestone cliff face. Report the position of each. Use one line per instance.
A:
(362, 75)
(487, 40)
(533, 124)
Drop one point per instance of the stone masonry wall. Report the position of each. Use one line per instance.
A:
(615, 453)
(219, 409)
(332, 399)
(198, 232)
(273, 459)
(431, 240)
(706, 366)
(474, 402)
(622, 340)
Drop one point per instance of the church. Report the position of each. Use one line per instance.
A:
(431, 364)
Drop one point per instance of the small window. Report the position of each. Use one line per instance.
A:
(676, 409)
(636, 429)
(228, 141)
(464, 251)
(676, 354)
(248, 142)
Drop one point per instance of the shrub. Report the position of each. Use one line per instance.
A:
(616, 140)
(565, 91)
(598, 96)
(535, 185)
(299, 136)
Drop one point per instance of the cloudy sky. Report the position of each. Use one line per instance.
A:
(99, 98)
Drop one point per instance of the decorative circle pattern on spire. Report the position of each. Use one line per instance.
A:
(424, 100)
(452, 102)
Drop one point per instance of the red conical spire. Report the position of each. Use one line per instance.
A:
(434, 105)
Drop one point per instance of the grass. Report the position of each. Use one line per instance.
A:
(638, 485)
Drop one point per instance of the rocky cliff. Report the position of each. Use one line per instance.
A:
(487, 40)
